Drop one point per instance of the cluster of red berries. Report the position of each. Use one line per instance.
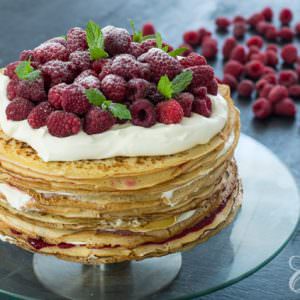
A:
(128, 75)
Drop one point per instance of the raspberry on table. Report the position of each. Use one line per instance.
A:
(271, 58)
(193, 59)
(272, 47)
(238, 54)
(191, 37)
(202, 106)
(297, 28)
(63, 124)
(209, 48)
(116, 40)
(18, 109)
(89, 82)
(245, 88)
(285, 107)
(228, 46)
(289, 53)
(278, 93)
(234, 68)
(202, 34)
(202, 75)
(286, 34)
(254, 19)
(33, 90)
(39, 114)
(222, 23)
(143, 113)
(97, 120)
(294, 91)
(212, 87)
(259, 85)
(285, 16)
(169, 112)
(114, 87)
(265, 91)
(76, 39)
(287, 77)
(269, 70)
(262, 27)
(50, 51)
(74, 100)
(255, 40)
(267, 12)
(81, 60)
(200, 91)
(252, 50)
(254, 69)
(270, 77)
(55, 95)
(186, 101)
(262, 108)
(239, 30)
(230, 81)
(148, 29)
(10, 70)
(136, 88)
(239, 19)
(271, 33)
(11, 89)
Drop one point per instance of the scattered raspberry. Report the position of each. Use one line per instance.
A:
(228, 46)
(11, 89)
(193, 59)
(285, 16)
(255, 40)
(18, 109)
(31, 90)
(55, 95)
(202, 75)
(254, 69)
(271, 58)
(209, 48)
(148, 29)
(88, 82)
(203, 33)
(269, 70)
(297, 28)
(74, 100)
(189, 49)
(186, 102)
(169, 112)
(272, 47)
(200, 92)
(271, 33)
(114, 87)
(278, 93)
(233, 68)
(238, 54)
(265, 91)
(254, 19)
(202, 106)
(136, 88)
(260, 84)
(270, 78)
(252, 50)
(222, 23)
(239, 30)
(287, 77)
(267, 12)
(239, 19)
(191, 37)
(245, 88)
(39, 114)
(81, 60)
(26, 55)
(161, 63)
(294, 91)
(10, 70)
(262, 108)
(289, 53)
(50, 51)
(212, 87)
(286, 34)
(63, 124)
(143, 113)
(76, 39)
(262, 27)
(116, 40)
(285, 107)
(136, 49)
(97, 120)
(297, 69)
(261, 56)
(230, 81)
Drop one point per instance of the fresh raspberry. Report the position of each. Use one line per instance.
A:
(143, 113)
(191, 37)
(114, 87)
(245, 88)
(50, 51)
(287, 77)
(161, 63)
(262, 27)
(26, 55)
(260, 84)
(254, 19)
(265, 91)
(233, 68)
(59, 40)
(88, 82)
(81, 60)
(76, 39)
(262, 108)
(33, 90)
(10, 70)
(254, 69)
(228, 46)
(289, 53)
(230, 81)
(200, 92)
(285, 16)
(270, 77)
(212, 87)
(63, 124)
(239, 30)
(202, 75)
(189, 49)
(278, 93)
(136, 49)
(271, 58)
(297, 69)
(238, 54)
(151, 43)
(97, 65)
(297, 28)
(272, 47)
(294, 91)
(267, 12)
(255, 40)
(18, 109)
(153, 94)
(202, 106)
(261, 56)
(97, 120)
(55, 95)
(39, 114)
(85, 74)
(222, 23)
(193, 59)
(74, 100)
(269, 70)
(116, 40)
(285, 107)
(271, 33)
(252, 50)
(202, 34)
(169, 112)
(286, 34)
(136, 88)
(148, 29)
(239, 19)
(186, 102)
(209, 48)
(56, 71)
(11, 89)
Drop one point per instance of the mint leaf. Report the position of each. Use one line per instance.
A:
(177, 52)
(165, 87)
(120, 111)
(25, 71)
(181, 81)
(97, 53)
(165, 48)
(158, 39)
(95, 97)
(137, 36)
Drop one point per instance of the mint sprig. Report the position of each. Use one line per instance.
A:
(95, 41)
(118, 110)
(172, 88)
(25, 71)
(137, 36)
(177, 51)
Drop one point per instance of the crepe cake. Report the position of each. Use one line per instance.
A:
(113, 147)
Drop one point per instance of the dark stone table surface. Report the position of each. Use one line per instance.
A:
(26, 23)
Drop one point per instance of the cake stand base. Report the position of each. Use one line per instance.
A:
(129, 280)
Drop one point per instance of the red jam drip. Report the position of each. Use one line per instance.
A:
(40, 244)
(13, 231)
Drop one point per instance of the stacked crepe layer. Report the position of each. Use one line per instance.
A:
(118, 209)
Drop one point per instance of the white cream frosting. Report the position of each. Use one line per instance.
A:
(121, 140)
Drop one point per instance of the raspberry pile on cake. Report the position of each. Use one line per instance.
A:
(95, 78)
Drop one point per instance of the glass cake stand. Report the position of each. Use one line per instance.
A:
(266, 222)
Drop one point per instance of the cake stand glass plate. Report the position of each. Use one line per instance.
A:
(265, 223)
